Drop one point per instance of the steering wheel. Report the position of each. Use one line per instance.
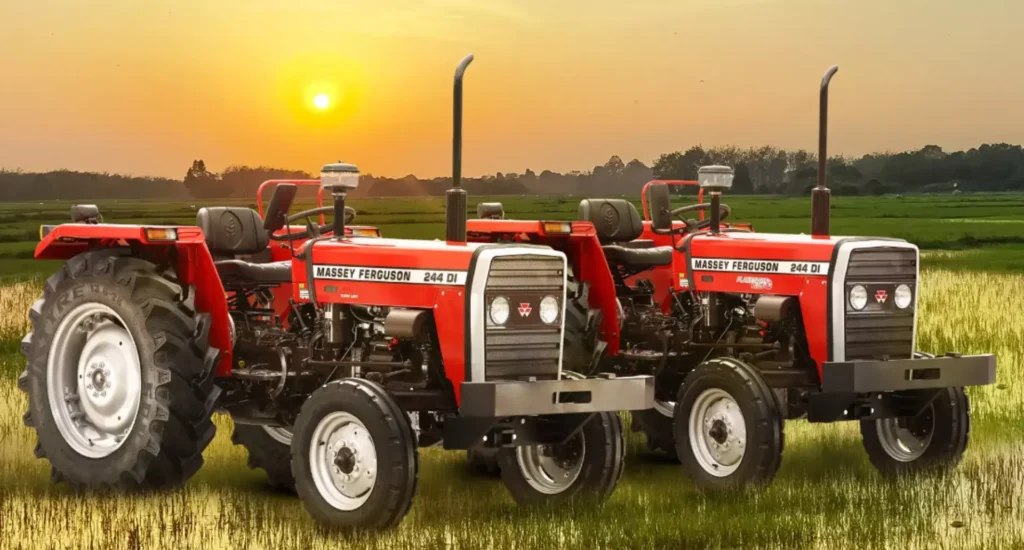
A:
(691, 225)
(312, 228)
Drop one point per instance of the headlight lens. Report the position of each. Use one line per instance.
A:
(549, 310)
(498, 310)
(858, 297)
(904, 297)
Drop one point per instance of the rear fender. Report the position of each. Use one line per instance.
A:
(193, 262)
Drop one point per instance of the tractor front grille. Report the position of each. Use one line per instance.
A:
(524, 346)
(881, 330)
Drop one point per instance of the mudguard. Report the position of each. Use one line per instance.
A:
(187, 251)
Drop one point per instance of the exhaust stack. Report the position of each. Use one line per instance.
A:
(455, 208)
(821, 196)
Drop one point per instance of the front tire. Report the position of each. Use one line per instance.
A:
(932, 441)
(728, 429)
(119, 375)
(589, 465)
(354, 457)
(269, 449)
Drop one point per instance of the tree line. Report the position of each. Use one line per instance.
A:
(765, 170)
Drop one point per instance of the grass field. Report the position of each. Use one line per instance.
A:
(826, 494)
(992, 221)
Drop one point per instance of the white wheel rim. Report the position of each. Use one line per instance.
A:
(343, 461)
(279, 434)
(665, 408)
(906, 439)
(93, 380)
(551, 469)
(718, 433)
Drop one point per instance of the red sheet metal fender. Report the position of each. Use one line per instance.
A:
(190, 255)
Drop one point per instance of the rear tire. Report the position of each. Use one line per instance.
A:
(354, 457)
(119, 375)
(728, 428)
(483, 461)
(269, 449)
(582, 347)
(589, 465)
(656, 424)
(933, 441)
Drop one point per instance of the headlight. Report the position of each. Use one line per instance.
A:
(549, 310)
(904, 297)
(858, 297)
(498, 310)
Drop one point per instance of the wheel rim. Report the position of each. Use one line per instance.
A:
(94, 380)
(279, 434)
(551, 469)
(906, 439)
(718, 432)
(343, 461)
(665, 408)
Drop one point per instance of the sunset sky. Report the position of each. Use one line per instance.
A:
(145, 87)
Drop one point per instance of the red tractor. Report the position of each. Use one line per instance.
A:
(745, 330)
(336, 355)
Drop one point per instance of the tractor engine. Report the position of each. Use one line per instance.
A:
(276, 365)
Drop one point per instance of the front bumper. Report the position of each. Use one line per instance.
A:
(908, 374)
(503, 398)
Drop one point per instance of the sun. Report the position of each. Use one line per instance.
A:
(321, 101)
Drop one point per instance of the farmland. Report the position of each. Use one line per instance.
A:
(933, 222)
(826, 495)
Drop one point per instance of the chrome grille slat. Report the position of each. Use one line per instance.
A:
(522, 352)
(880, 334)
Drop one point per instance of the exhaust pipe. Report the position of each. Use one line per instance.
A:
(455, 208)
(821, 196)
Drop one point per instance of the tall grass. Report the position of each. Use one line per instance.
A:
(826, 494)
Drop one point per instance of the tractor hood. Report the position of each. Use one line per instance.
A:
(392, 272)
(337, 265)
(761, 246)
(743, 261)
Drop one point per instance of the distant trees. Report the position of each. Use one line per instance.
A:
(989, 167)
(17, 185)
(201, 184)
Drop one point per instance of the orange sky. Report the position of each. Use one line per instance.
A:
(144, 87)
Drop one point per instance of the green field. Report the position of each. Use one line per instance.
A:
(990, 225)
(826, 494)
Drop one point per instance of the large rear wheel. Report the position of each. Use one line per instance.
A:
(119, 374)
(656, 424)
(270, 449)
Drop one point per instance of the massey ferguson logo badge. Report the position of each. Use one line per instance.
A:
(880, 296)
(525, 309)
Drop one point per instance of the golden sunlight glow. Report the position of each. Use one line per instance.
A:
(321, 101)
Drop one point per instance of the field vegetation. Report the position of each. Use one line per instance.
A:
(994, 221)
(826, 495)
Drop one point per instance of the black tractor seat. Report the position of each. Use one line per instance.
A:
(618, 226)
(638, 257)
(239, 272)
(638, 243)
(234, 233)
